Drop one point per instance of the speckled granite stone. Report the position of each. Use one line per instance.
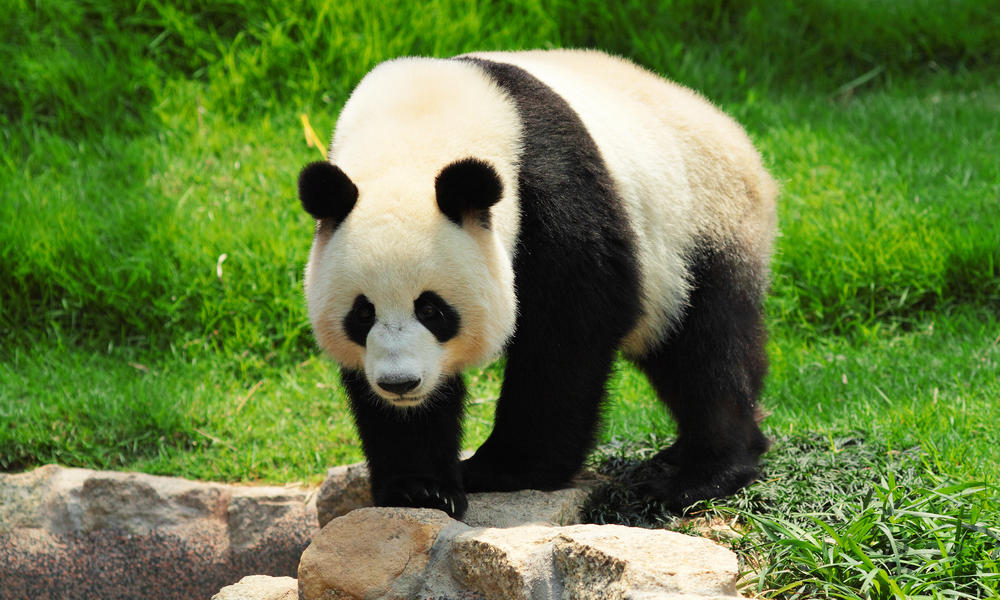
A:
(73, 533)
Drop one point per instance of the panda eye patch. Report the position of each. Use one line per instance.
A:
(439, 317)
(359, 320)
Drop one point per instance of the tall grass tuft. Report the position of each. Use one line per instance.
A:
(895, 542)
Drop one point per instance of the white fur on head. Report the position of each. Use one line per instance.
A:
(404, 123)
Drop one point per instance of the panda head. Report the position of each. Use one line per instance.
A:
(406, 279)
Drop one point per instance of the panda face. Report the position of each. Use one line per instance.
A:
(410, 285)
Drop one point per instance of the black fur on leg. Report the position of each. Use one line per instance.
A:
(545, 425)
(412, 452)
(710, 373)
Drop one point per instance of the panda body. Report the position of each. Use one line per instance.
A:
(556, 205)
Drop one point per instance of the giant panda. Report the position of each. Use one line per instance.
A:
(556, 207)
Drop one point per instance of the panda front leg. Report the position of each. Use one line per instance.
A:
(546, 418)
(412, 453)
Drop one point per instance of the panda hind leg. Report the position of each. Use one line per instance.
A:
(710, 372)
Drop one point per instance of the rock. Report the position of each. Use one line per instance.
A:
(346, 489)
(509, 509)
(260, 587)
(613, 561)
(260, 516)
(390, 553)
(512, 564)
(372, 553)
(75, 533)
(591, 561)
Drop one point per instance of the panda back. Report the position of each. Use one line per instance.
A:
(687, 174)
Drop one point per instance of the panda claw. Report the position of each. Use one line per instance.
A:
(429, 496)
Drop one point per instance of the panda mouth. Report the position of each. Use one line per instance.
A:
(400, 398)
(406, 401)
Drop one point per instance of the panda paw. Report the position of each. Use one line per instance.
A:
(425, 494)
(678, 488)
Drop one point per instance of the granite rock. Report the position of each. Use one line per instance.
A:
(390, 553)
(75, 533)
(373, 553)
(344, 489)
(510, 509)
(513, 564)
(613, 561)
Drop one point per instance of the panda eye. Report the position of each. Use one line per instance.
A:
(427, 311)
(365, 314)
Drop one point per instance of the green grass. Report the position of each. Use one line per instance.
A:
(151, 252)
(931, 540)
(841, 517)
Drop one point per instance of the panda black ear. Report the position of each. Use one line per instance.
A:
(468, 188)
(326, 192)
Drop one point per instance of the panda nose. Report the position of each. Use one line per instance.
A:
(398, 386)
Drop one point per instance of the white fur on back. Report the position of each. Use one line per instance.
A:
(687, 172)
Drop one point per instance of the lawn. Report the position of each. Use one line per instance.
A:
(152, 247)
